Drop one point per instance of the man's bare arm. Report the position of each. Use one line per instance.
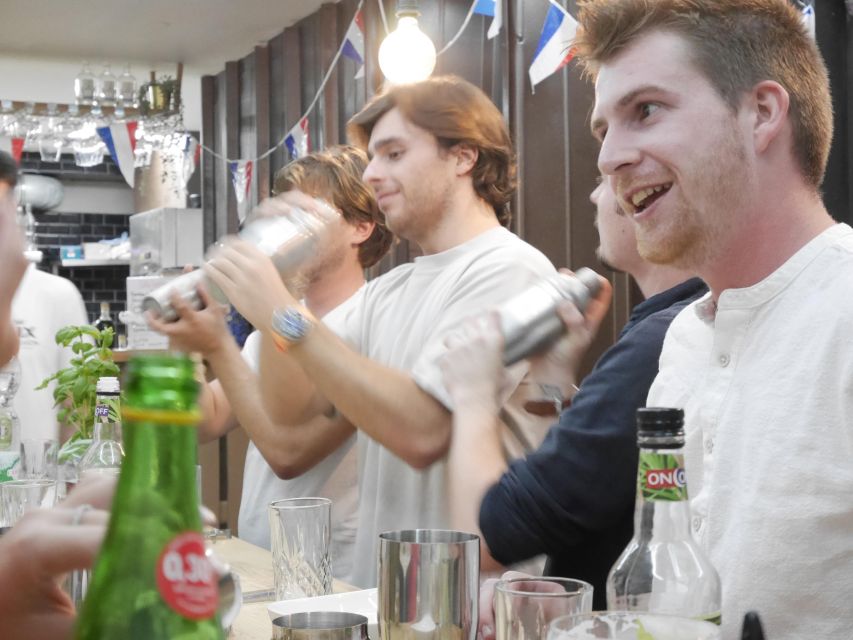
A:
(289, 449)
(384, 402)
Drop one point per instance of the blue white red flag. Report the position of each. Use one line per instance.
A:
(555, 44)
(354, 43)
(493, 8)
(296, 141)
(241, 178)
(121, 143)
(13, 146)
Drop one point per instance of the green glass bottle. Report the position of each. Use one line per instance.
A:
(152, 580)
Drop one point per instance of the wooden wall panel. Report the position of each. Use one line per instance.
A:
(208, 162)
(261, 86)
(247, 118)
(835, 40)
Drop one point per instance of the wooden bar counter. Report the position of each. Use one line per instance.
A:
(254, 566)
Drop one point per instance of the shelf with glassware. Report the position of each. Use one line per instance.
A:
(86, 125)
(110, 97)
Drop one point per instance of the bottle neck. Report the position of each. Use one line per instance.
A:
(662, 507)
(107, 431)
(161, 458)
(107, 416)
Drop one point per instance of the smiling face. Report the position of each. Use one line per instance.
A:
(412, 176)
(675, 152)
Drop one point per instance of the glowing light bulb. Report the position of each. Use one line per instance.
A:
(407, 54)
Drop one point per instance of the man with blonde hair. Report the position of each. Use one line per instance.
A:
(715, 121)
(314, 457)
(443, 171)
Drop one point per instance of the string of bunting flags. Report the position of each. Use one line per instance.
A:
(553, 51)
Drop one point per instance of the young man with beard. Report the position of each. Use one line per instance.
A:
(715, 122)
(443, 170)
(572, 498)
(316, 457)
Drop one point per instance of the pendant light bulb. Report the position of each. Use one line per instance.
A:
(407, 54)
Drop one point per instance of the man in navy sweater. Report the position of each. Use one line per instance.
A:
(572, 498)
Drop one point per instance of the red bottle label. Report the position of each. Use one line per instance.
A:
(186, 579)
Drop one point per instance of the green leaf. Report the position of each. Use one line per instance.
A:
(107, 337)
(82, 347)
(65, 335)
(90, 331)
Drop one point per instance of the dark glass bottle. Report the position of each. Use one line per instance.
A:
(152, 579)
(105, 321)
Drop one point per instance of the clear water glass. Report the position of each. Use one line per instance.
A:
(19, 496)
(38, 458)
(300, 533)
(525, 606)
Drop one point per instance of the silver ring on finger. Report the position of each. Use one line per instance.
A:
(78, 513)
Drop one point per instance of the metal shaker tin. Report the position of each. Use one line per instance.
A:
(529, 321)
(320, 625)
(289, 240)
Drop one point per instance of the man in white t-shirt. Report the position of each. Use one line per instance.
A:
(316, 457)
(715, 122)
(12, 262)
(443, 171)
(43, 304)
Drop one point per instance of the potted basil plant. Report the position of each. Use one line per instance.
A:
(75, 391)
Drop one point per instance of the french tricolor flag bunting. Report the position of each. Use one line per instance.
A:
(354, 43)
(13, 146)
(121, 143)
(493, 8)
(241, 178)
(296, 141)
(555, 44)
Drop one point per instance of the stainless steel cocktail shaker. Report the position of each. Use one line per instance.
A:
(289, 239)
(529, 321)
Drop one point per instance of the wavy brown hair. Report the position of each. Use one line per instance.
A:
(455, 112)
(735, 44)
(334, 174)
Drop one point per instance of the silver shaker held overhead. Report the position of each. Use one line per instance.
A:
(289, 240)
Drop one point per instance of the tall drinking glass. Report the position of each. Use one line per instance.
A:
(428, 584)
(300, 533)
(525, 606)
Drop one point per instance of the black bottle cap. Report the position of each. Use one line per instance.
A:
(752, 627)
(660, 419)
(661, 427)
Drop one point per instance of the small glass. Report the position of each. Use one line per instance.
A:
(631, 625)
(300, 532)
(525, 606)
(19, 496)
(38, 459)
